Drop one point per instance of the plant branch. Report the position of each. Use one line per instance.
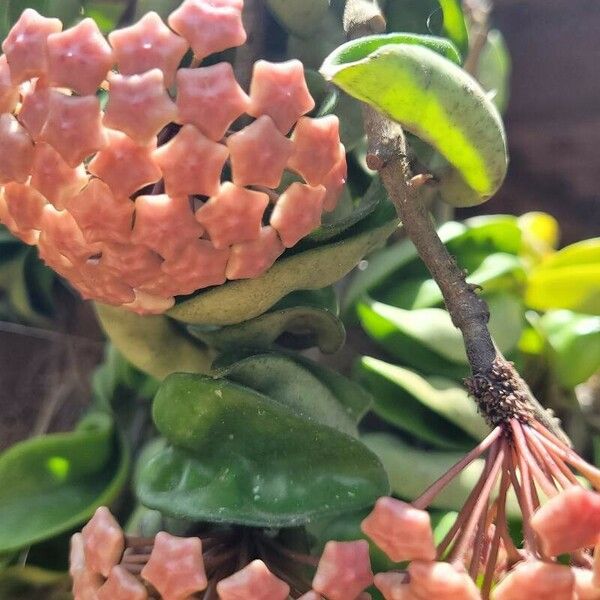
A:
(499, 390)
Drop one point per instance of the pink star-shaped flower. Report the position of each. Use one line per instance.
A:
(9, 92)
(280, 91)
(148, 304)
(191, 163)
(298, 212)
(316, 148)
(34, 107)
(123, 165)
(85, 582)
(54, 178)
(28, 236)
(103, 542)
(164, 223)
(134, 264)
(344, 570)
(253, 581)
(259, 153)
(25, 205)
(536, 579)
(16, 150)
(233, 215)
(210, 98)
(149, 44)
(139, 105)
(335, 181)
(25, 45)
(209, 26)
(176, 566)
(197, 265)
(74, 127)
(95, 282)
(121, 585)
(442, 581)
(101, 215)
(394, 586)
(569, 521)
(79, 58)
(251, 259)
(400, 530)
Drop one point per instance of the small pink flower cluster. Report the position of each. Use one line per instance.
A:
(129, 203)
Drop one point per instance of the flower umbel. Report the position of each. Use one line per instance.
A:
(89, 173)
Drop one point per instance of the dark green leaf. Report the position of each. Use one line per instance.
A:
(241, 457)
(52, 483)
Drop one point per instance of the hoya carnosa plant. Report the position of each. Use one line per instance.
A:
(140, 181)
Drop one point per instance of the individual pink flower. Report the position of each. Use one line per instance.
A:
(16, 151)
(253, 581)
(25, 205)
(252, 259)
(34, 107)
(9, 92)
(103, 542)
(539, 580)
(121, 585)
(441, 580)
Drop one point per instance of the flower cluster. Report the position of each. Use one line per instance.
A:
(159, 193)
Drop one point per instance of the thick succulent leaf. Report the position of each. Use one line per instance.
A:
(237, 301)
(154, 344)
(494, 68)
(455, 27)
(305, 318)
(412, 470)
(568, 279)
(435, 409)
(52, 483)
(241, 457)
(300, 18)
(437, 101)
(283, 379)
(574, 341)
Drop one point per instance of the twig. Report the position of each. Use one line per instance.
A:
(500, 392)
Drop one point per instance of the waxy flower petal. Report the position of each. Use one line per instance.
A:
(25, 45)
(569, 521)
(542, 581)
(210, 98)
(149, 44)
(54, 178)
(139, 105)
(148, 304)
(280, 91)
(344, 570)
(253, 581)
(123, 165)
(259, 153)
(442, 581)
(25, 205)
(197, 265)
(101, 215)
(74, 127)
(209, 26)
(176, 567)
(133, 263)
(400, 530)
(164, 223)
(233, 215)
(312, 595)
(79, 58)
(316, 148)
(93, 280)
(103, 542)
(34, 107)
(298, 212)
(191, 163)
(122, 585)
(335, 181)
(585, 586)
(9, 92)
(251, 259)
(16, 150)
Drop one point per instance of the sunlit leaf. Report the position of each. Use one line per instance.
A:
(454, 25)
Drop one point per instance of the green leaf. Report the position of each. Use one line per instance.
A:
(412, 470)
(106, 13)
(540, 235)
(568, 279)
(237, 301)
(52, 483)
(437, 101)
(455, 26)
(575, 345)
(283, 379)
(494, 68)
(434, 409)
(163, 7)
(154, 344)
(241, 457)
(300, 18)
(417, 16)
(307, 318)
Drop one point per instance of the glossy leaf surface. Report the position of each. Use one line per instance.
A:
(52, 483)
(241, 457)
(440, 103)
